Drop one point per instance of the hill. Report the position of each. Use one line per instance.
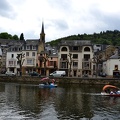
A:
(104, 37)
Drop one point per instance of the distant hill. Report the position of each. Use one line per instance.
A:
(104, 37)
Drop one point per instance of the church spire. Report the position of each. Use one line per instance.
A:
(42, 31)
(42, 34)
(41, 45)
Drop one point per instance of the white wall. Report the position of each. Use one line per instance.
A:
(9, 58)
(34, 58)
(109, 66)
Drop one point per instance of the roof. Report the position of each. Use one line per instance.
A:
(32, 41)
(75, 42)
(115, 56)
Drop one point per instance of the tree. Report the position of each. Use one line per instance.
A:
(97, 61)
(22, 36)
(70, 61)
(43, 58)
(15, 37)
(20, 57)
(5, 35)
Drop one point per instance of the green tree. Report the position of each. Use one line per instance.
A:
(15, 37)
(5, 35)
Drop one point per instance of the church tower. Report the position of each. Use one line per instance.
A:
(41, 45)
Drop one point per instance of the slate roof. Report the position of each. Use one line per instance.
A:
(75, 42)
(115, 56)
(32, 41)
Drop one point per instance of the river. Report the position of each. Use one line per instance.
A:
(66, 102)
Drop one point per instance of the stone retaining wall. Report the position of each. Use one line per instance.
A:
(65, 80)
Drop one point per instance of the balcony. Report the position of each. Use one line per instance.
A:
(63, 59)
(75, 67)
(63, 65)
(12, 63)
(86, 60)
(50, 66)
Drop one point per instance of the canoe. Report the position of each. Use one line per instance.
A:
(48, 85)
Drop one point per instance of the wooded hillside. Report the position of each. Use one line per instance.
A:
(107, 37)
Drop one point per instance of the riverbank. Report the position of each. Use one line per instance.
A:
(64, 80)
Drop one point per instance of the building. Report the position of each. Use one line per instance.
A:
(29, 50)
(11, 56)
(75, 57)
(112, 65)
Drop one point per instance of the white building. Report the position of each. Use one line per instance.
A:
(75, 57)
(11, 60)
(112, 65)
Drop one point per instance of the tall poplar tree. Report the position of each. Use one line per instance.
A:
(22, 36)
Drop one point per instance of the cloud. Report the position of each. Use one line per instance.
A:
(61, 17)
(6, 9)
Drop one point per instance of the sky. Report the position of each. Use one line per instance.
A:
(61, 18)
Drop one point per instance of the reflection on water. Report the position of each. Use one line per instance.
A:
(66, 102)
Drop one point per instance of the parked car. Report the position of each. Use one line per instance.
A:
(34, 74)
(10, 73)
(102, 74)
(58, 74)
(85, 75)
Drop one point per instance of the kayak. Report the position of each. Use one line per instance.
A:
(48, 85)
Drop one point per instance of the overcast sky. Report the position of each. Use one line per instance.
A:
(61, 17)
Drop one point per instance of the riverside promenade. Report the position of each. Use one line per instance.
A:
(63, 80)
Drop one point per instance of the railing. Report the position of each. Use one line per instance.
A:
(86, 60)
(63, 59)
(12, 65)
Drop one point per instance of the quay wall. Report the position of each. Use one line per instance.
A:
(64, 80)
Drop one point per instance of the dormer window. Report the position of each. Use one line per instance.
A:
(27, 47)
(34, 47)
(87, 49)
(64, 49)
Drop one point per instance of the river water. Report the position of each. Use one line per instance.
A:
(66, 102)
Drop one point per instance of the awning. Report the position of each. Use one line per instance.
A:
(110, 87)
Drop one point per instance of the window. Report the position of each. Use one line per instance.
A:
(33, 53)
(27, 53)
(75, 56)
(75, 64)
(29, 61)
(86, 57)
(64, 49)
(10, 62)
(28, 47)
(51, 63)
(116, 67)
(87, 49)
(64, 56)
(12, 56)
(63, 65)
(34, 47)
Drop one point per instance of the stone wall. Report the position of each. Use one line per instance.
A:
(65, 80)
